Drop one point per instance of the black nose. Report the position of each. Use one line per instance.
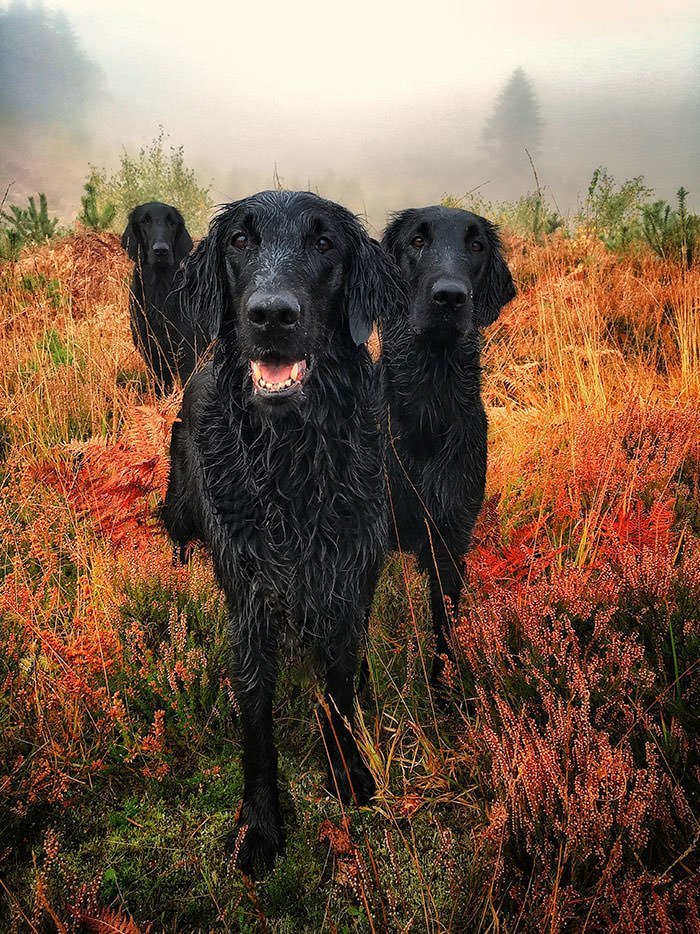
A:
(269, 310)
(450, 294)
(160, 249)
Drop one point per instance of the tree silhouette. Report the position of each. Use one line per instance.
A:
(515, 124)
(45, 78)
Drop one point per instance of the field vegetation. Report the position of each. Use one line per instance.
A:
(560, 790)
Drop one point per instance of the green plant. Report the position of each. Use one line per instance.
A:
(672, 234)
(90, 215)
(30, 224)
(613, 212)
(529, 216)
(11, 243)
(153, 174)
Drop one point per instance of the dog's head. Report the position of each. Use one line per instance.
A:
(156, 235)
(453, 263)
(281, 278)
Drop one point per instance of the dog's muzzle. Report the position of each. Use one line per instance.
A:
(276, 378)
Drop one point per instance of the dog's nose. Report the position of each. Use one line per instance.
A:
(160, 249)
(267, 310)
(450, 294)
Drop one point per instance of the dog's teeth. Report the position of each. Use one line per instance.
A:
(257, 372)
(289, 382)
(295, 372)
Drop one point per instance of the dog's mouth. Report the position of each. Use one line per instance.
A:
(277, 378)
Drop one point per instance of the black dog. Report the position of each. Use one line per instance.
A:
(157, 241)
(457, 282)
(276, 465)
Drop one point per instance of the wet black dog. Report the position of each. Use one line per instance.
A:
(276, 465)
(457, 282)
(157, 241)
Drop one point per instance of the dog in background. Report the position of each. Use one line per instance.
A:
(157, 241)
(276, 464)
(430, 371)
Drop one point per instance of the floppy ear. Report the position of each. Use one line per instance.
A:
(183, 242)
(390, 239)
(374, 287)
(203, 288)
(496, 288)
(130, 237)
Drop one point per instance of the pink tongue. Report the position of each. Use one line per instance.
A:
(276, 372)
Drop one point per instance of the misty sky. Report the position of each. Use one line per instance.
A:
(381, 104)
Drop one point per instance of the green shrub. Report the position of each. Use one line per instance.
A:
(672, 234)
(91, 215)
(26, 225)
(613, 212)
(154, 174)
(11, 243)
(529, 216)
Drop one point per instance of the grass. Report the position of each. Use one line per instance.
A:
(561, 790)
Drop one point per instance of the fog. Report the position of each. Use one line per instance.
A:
(378, 105)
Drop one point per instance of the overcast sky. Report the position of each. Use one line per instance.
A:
(382, 102)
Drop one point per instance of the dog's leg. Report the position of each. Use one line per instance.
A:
(348, 776)
(259, 834)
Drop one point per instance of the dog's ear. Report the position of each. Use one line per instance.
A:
(130, 238)
(496, 288)
(183, 242)
(374, 287)
(390, 239)
(203, 288)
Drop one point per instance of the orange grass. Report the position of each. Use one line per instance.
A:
(562, 788)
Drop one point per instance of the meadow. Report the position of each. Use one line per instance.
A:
(558, 793)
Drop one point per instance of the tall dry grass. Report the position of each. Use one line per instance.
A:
(559, 793)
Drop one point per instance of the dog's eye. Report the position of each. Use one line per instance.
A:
(146, 219)
(240, 241)
(418, 243)
(476, 246)
(323, 245)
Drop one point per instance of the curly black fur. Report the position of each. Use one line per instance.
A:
(286, 487)
(157, 241)
(457, 282)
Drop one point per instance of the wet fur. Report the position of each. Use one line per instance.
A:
(290, 502)
(433, 413)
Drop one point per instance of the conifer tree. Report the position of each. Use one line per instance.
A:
(515, 123)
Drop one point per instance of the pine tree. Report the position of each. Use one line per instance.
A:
(515, 124)
(45, 77)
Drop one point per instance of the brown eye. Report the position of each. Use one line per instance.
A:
(240, 241)
(418, 243)
(323, 244)
(476, 246)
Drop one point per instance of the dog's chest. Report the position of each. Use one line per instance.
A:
(301, 509)
(437, 454)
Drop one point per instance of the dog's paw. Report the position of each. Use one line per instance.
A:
(256, 845)
(351, 781)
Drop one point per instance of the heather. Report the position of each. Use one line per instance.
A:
(558, 792)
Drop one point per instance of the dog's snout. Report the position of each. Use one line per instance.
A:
(450, 294)
(160, 248)
(273, 310)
